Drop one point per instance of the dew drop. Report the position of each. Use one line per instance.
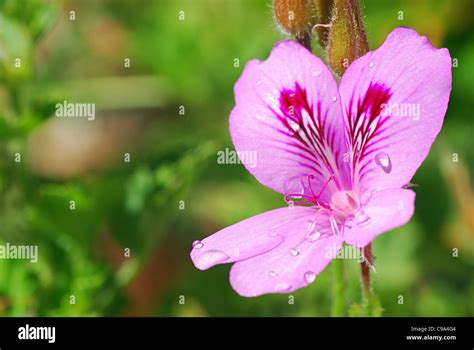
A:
(210, 258)
(384, 162)
(313, 236)
(198, 244)
(362, 219)
(309, 277)
(259, 82)
(294, 252)
(272, 273)
(282, 287)
(334, 99)
(371, 65)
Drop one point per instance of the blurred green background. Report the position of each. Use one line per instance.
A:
(167, 113)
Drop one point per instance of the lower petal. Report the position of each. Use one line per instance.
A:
(386, 210)
(247, 238)
(293, 264)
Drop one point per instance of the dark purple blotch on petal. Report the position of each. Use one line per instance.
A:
(307, 126)
(367, 124)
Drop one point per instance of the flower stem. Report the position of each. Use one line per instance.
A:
(338, 299)
(368, 297)
(365, 268)
(304, 39)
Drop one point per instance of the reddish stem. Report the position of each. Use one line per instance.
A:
(365, 267)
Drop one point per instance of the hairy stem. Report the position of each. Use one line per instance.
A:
(338, 299)
(365, 268)
(304, 39)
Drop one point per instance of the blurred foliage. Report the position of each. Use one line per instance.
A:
(124, 247)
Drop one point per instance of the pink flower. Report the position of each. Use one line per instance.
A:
(341, 156)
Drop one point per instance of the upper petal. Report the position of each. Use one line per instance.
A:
(288, 112)
(248, 238)
(385, 211)
(394, 101)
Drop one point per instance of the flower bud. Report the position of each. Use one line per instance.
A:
(347, 39)
(294, 16)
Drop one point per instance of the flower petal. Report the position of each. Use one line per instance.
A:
(288, 112)
(293, 264)
(248, 238)
(386, 210)
(394, 99)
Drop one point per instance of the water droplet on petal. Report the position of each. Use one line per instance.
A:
(313, 236)
(294, 252)
(309, 277)
(198, 244)
(311, 224)
(272, 273)
(210, 258)
(259, 82)
(384, 162)
(362, 219)
(334, 99)
(371, 65)
(282, 287)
